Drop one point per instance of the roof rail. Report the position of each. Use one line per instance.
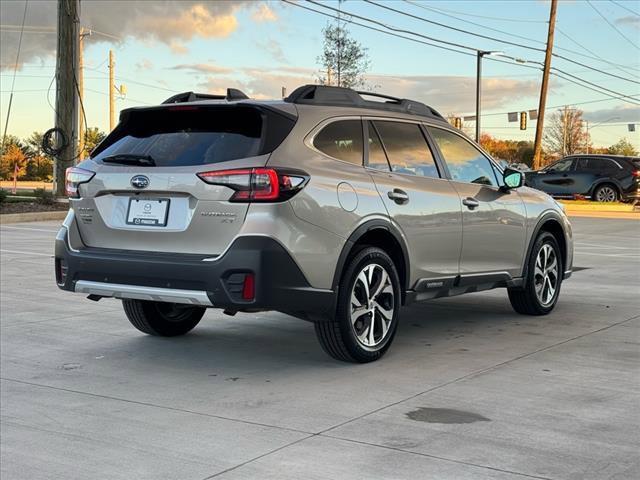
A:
(185, 97)
(346, 97)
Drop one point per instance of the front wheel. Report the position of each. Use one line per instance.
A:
(162, 319)
(544, 277)
(367, 311)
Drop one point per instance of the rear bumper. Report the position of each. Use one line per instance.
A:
(195, 279)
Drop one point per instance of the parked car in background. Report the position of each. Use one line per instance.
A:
(523, 167)
(603, 178)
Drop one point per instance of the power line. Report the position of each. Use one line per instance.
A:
(433, 22)
(619, 67)
(612, 25)
(15, 70)
(415, 40)
(502, 19)
(625, 98)
(626, 8)
(519, 62)
(507, 42)
(593, 55)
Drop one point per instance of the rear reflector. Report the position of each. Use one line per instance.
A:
(258, 184)
(636, 173)
(249, 287)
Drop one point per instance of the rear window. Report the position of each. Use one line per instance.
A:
(195, 135)
(342, 140)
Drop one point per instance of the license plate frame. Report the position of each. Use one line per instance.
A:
(152, 219)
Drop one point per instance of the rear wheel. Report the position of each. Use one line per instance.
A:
(605, 193)
(544, 277)
(162, 319)
(367, 312)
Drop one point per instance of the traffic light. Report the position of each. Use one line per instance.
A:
(523, 120)
(457, 122)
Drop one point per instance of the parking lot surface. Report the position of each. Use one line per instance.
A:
(469, 389)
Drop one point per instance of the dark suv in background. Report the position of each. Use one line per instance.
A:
(603, 178)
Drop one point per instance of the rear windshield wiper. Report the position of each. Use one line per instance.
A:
(130, 159)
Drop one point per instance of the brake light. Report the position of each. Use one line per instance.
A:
(75, 176)
(636, 173)
(258, 184)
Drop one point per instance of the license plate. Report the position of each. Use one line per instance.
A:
(147, 212)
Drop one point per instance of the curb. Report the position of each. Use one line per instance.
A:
(32, 217)
(598, 208)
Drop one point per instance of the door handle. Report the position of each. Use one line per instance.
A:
(471, 203)
(398, 196)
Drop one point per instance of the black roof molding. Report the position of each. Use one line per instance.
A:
(347, 97)
(185, 97)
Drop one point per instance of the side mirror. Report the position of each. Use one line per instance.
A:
(512, 178)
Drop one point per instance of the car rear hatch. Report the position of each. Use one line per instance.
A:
(146, 194)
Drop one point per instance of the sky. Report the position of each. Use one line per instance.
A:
(166, 47)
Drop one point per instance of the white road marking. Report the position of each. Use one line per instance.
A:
(30, 229)
(594, 245)
(27, 253)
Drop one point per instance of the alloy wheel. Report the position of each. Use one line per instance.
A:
(606, 194)
(545, 277)
(372, 305)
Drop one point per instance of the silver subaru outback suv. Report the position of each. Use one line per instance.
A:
(334, 206)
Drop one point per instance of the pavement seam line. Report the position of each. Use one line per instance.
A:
(479, 372)
(445, 459)
(154, 405)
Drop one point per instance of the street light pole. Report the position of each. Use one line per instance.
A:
(597, 125)
(480, 54)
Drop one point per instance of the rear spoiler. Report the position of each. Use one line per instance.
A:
(233, 94)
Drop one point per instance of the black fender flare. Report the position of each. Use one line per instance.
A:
(358, 233)
(550, 215)
(602, 181)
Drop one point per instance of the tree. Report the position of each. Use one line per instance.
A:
(623, 147)
(12, 156)
(93, 137)
(565, 133)
(343, 60)
(511, 151)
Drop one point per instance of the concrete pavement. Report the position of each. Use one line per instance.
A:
(468, 390)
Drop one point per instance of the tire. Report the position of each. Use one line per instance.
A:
(355, 341)
(531, 299)
(162, 319)
(605, 193)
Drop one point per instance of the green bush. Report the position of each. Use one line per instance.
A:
(44, 197)
(3, 195)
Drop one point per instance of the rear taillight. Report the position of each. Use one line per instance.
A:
(258, 184)
(74, 176)
(636, 173)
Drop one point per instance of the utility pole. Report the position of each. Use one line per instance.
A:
(81, 128)
(66, 95)
(112, 90)
(537, 149)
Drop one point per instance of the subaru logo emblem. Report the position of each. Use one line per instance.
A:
(140, 181)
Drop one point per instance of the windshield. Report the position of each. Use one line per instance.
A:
(191, 135)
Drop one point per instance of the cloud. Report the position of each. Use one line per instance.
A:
(623, 113)
(453, 94)
(630, 20)
(207, 68)
(264, 14)
(447, 94)
(144, 64)
(274, 49)
(171, 22)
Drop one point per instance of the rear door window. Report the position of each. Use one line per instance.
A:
(342, 140)
(406, 149)
(196, 135)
